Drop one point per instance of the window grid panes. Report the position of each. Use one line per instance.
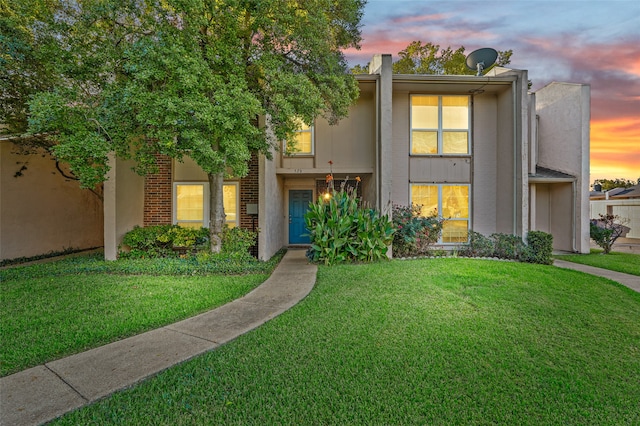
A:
(439, 125)
(191, 207)
(302, 143)
(449, 201)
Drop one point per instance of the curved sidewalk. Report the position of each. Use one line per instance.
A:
(45, 392)
(628, 280)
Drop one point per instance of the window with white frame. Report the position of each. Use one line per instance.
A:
(449, 201)
(440, 125)
(302, 143)
(191, 204)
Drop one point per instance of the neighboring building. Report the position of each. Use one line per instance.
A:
(41, 210)
(622, 202)
(482, 151)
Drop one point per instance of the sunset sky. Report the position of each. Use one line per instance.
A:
(593, 42)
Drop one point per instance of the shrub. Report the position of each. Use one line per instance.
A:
(414, 233)
(507, 246)
(160, 241)
(238, 241)
(341, 229)
(478, 246)
(539, 248)
(606, 230)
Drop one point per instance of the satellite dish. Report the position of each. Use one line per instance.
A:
(481, 59)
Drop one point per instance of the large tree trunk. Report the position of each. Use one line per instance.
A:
(216, 211)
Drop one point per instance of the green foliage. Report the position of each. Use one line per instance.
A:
(605, 230)
(414, 233)
(506, 246)
(341, 229)
(161, 241)
(478, 246)
(172, 241)
(360, 69)
(191, 265)
(539, 248)
(188, 78)
(609, 184)
(428, 58)
(238, 240)
(236, 243)
(25, 67)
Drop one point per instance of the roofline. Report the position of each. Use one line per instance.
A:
(453, 79)
(539, 179)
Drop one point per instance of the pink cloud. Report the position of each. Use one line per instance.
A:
(420, 18)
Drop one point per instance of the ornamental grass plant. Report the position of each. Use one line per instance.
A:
(344, 229)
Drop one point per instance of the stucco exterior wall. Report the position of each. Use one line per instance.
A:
(485, 185)
(506, 184)
(271, 219)
(123, 204)
(400, 149)
(349, 145)
(42, 211)
(553, 207)
(563, 143)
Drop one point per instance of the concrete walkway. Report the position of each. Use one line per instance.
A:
(42, 393)
(628, 280)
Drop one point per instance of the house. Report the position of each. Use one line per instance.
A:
(480, 150)
(42, 208)
(622, 202)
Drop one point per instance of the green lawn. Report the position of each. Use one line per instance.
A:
(56, 309)
(434, 341)
(615, 261)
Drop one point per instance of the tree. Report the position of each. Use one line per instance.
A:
(428, 58)
(178, 77)
(24, 68)
(605, 230)
(609, 184)
(359, 69)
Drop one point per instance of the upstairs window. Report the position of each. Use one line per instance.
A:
(302, 143)
(439, 125)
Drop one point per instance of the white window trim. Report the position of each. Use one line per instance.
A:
(440, 186)
(302, 154)
(205, 195)
(439, 130)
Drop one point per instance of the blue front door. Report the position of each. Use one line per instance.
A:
(299, 200)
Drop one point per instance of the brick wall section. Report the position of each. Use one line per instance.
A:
(249, 193)
(157, 194)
